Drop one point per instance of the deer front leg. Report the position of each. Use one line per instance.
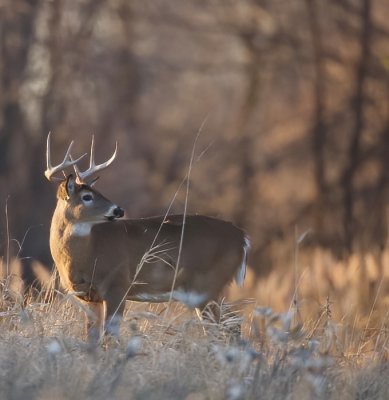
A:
(94, 322)
(114, 307)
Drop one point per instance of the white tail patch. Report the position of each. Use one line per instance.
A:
(241, 274)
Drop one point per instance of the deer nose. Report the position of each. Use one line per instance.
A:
(118, 212)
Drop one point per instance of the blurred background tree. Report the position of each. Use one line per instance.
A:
(293, 98)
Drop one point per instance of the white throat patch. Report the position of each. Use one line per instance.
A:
(82, 228)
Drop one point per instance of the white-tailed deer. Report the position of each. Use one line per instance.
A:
(105, 260)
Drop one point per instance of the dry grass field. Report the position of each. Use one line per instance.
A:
(326, 340)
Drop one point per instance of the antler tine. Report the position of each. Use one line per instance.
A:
(48, 156)
(92, 153)
(93, 168)
(76, 169)
(67, 161)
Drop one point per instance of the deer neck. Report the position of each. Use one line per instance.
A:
(64, 229)
(69, 244)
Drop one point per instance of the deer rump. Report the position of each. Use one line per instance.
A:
(189, 259)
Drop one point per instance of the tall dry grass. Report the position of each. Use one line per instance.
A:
(321, 336)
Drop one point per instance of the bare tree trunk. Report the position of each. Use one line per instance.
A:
(17, 20)
(358, 103)
(52, 111)
(380, 224)
(319, 129)
(246, 142)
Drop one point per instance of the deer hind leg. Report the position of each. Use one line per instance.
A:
(94, 322)
(221, 314)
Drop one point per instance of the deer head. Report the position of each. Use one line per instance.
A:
(80, 203)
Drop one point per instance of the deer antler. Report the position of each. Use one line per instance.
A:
(67, 161)
(93, 168)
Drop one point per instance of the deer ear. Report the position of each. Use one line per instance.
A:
(70, 185)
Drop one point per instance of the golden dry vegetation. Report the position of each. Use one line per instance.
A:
(326, 340)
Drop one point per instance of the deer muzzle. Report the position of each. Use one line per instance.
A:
(114, 213)
(118, 212)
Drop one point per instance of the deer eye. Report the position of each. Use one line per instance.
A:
(87, 197)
